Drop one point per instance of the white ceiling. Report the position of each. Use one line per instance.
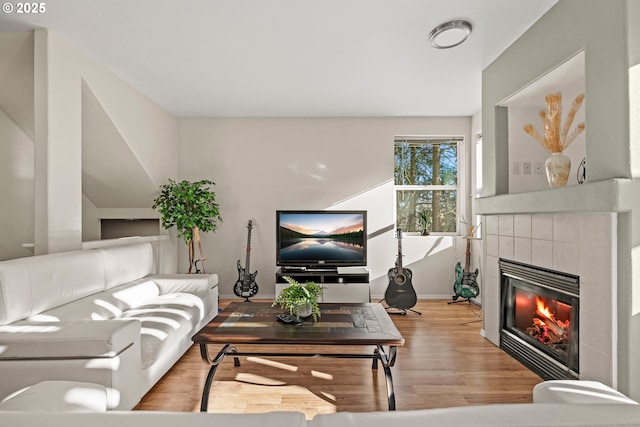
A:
(265, 58)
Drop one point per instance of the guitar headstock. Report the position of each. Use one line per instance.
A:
(250, 224)
(472, 230)
(399, 233)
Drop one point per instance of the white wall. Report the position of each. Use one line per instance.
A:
(262, 165)
(16, 190)
(16, 144)
(633, 296)
(16, 72)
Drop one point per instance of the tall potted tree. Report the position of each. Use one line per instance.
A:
(191, 207)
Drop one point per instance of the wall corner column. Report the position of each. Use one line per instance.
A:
(58, 147)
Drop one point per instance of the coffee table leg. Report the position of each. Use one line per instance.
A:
(215, 362)
(376, 356)
(387, 362)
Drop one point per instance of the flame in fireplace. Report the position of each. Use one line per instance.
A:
(542, 309)
(546, 328)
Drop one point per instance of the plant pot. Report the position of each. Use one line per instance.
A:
(303, 311)
(558, 166)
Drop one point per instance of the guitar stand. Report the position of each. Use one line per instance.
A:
(403, 311)
(457, 301)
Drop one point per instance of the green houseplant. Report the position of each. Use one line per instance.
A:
(296, 297)
(424, 218)
(191, 207)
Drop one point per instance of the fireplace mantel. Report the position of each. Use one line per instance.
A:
(614, 195)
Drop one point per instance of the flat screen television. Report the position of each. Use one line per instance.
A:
(321, 239)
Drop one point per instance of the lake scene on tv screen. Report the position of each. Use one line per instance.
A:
(325, 236)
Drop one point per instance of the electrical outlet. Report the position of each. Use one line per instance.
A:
(517, 168)
(526, 168)
(538, 169)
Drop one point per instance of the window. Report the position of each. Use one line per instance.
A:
(426, 183)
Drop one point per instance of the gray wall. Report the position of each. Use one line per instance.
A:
(262, 165)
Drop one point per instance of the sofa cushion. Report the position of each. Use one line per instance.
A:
(123, 264)
(192, 283)
(32, 285)
(61, 278)
(103, 305)
(81, 339)
(64, 396)
(166, 320)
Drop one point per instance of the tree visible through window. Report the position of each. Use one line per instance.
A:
(426, 183)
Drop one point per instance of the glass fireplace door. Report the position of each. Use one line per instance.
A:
(540, 310)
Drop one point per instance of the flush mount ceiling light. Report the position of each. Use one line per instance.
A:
(450, 34)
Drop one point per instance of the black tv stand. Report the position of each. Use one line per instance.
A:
(323, 275)
(338, 284)
(322, 270)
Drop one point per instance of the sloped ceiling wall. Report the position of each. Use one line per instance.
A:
(16, 75)
(112, 176)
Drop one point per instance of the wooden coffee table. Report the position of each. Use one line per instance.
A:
(341, 324)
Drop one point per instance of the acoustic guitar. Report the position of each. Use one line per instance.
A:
(400, 293)
(246, 285)
(466, 285)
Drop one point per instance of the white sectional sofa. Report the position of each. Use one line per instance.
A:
(98, 316)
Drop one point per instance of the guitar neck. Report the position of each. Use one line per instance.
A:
(248, 250)
(467, 260)
(399, 261)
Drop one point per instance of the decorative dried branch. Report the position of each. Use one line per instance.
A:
(577, 131)
(556, 138)
(575, 106)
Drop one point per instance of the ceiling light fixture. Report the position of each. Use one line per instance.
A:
(450, 34)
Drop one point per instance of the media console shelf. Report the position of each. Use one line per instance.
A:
(342, 285)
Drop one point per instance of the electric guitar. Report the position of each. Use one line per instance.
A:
(246, 286)
(466, 285)
(400, 293)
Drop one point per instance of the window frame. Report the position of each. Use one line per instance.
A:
(459, 141)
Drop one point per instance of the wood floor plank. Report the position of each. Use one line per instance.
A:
(444, 363)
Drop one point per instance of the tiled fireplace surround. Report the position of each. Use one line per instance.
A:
(578, 243)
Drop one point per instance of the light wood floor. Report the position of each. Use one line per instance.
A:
(445, 362)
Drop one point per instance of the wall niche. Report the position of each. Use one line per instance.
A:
(118, 228)
(526, 155)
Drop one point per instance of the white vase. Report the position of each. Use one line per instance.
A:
(558, 166)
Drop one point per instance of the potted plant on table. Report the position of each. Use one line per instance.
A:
(300, 300)
(191, 207)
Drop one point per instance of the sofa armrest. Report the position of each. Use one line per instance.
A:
(68, 340)
(174, 283)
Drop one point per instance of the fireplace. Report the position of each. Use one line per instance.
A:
(539, 319)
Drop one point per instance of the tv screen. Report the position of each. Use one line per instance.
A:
(321, 238)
